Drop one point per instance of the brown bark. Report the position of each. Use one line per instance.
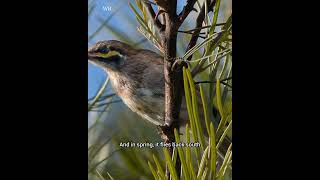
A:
(173, 76)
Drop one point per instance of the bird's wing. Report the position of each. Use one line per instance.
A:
(152, 76)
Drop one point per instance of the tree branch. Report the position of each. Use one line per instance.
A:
(172, 74)
(155, 19)
(186, 10)
(199, 21)
(173, 79)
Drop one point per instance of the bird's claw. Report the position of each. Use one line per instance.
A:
(163, 131)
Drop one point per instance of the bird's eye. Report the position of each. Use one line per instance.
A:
(104, 50)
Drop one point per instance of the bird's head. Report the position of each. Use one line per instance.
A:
(109, 54)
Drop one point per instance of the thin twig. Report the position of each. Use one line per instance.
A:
(221, 81)
(199, 21)
(107, 103)
(186, 10)
(96, 165)
(203, 37)
(198, 28)
(203, 27)
(149, 2)
(102, 97)
(224, 83)
(225, 79)
(153, 15)
(187, 32)
(210, 64)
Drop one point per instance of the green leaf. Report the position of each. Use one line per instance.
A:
(139, 4)
(226, 63)
(190, 111)
(195, 108)
(228, 24)
(200, 45)
(98, 119)
(218, 95)
(170, 164)
(100, 162)
(91, 8)
(145, 27)
(204, 174)
(226, 90)
(93, 153)
(225, 132)
(215, 60)
(203, 162)
(153, 171)
(205, 109)
(226, 161)
(99, 174)
(111, 178)
(222, 124)
(185, 169)
(174, 156)
(188, 102)
(213, 151)
(160, 170)
(215, 17)
(99, 94)
(206, 17)
(188, 154)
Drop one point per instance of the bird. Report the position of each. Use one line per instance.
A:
(137, 77)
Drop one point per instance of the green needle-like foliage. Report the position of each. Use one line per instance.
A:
(211, 63)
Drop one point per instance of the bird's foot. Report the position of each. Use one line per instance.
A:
(164, 132)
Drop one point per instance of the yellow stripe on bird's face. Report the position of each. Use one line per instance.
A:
(108, 54)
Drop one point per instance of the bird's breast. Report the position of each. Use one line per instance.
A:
(145, 102)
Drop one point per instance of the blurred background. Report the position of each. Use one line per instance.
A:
(112, 122)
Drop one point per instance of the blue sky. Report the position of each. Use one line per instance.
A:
(123, 20)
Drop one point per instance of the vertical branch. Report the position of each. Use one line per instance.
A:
(173, 79)
(173, 75)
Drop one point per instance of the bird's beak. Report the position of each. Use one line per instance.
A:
(91, 55)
